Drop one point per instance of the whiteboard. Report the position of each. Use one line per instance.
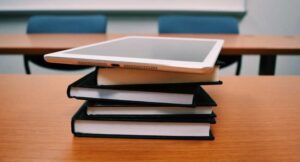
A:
(124, 5)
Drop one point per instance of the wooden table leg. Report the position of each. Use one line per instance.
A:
(267, 65)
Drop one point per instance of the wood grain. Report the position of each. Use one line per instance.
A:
(257, 120)
(234, 44)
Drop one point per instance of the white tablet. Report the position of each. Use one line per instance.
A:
(139, 52)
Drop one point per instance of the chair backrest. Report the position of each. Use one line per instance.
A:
(63, 24)
(202, 25)
(198, 24)
(67, 24)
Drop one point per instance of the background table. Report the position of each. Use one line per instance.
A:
(266, 46)
(257, 120)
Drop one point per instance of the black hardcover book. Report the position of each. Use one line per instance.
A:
(164, 128)
(176, 94)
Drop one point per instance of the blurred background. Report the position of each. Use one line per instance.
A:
(255, 17)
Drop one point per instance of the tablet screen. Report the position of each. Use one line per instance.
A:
(163, 49)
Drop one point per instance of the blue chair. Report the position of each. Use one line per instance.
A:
(205, 25)
(59, 25)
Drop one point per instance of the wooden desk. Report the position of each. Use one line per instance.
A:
(258, 120)
(267, 46)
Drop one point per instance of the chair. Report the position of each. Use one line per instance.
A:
(203, 24)
(62, 24)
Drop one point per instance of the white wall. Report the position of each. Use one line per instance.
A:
(123, 5)
(276, 17)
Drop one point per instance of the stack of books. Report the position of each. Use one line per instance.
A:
(135, 103)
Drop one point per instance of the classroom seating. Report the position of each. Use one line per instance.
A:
(203, 24)
(57, 24)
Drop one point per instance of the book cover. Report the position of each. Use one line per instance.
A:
(180, 94)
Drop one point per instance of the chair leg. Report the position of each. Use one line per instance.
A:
(26, 65)
(238, 68)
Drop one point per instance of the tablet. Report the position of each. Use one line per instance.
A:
(139, 52)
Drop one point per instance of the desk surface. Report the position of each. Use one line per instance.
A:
(258, 120)
(234, 44)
